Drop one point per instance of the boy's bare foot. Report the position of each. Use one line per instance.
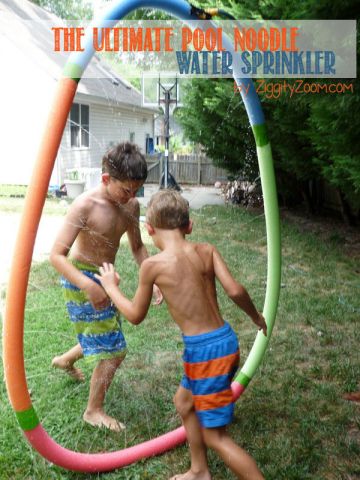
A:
(72, 371)
(192, 476)
(99, 418)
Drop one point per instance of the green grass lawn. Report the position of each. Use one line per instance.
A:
(53, 206)
(13, 191)
(292, 418)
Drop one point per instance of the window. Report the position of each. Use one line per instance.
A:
(132, 137)
(149, 144)
(79, 126)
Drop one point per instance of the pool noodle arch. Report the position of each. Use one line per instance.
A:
(13, 352)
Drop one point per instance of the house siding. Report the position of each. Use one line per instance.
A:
(103, 134)
(28, 91)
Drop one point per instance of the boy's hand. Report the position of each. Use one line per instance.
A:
(108, 276)
(96, 295)
(259, 320)
(157, 295)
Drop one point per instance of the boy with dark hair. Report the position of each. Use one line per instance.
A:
(124, 161)
(90, 235)
(186, 272)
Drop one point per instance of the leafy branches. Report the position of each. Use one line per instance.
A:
(314, 137)
(67, 9)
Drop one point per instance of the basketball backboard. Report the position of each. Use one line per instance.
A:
(154, 87)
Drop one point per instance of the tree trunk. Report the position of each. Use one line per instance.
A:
(319, 187)
(306, 194)
(346, 212)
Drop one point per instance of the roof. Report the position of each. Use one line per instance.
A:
(25, 29)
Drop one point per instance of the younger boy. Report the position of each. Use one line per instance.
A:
(90, 235)
(186, 272)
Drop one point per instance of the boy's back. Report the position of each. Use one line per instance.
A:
(186, 276)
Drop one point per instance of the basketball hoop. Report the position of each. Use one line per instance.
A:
(154, 86)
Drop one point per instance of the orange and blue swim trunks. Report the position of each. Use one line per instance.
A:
(210, 363)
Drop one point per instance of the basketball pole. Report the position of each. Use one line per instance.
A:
(164, 183)
(167, 133)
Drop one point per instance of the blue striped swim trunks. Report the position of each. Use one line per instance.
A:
(210, 363)
(98, 331)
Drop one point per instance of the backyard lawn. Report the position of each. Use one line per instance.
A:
(292, 417)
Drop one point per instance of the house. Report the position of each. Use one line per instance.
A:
(106, 108)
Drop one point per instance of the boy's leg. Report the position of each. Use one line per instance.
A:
(100, 382)
(66, 362)
(199, 468)
(240, 462)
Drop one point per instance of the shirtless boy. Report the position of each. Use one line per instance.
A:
(185, 272)
(90, 235)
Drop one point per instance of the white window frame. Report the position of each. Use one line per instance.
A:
(81, 126)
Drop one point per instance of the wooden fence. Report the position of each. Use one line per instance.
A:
(191, 169)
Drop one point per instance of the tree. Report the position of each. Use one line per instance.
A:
(214, 116)
(67, 9)
(334, 132)
(148, 14)
(296, 171)
(314, 138)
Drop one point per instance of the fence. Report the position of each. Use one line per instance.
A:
(192, 169)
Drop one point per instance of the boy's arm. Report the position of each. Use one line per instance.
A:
(236, 291)
(135, 310)
(74, 222)
(137, 246)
